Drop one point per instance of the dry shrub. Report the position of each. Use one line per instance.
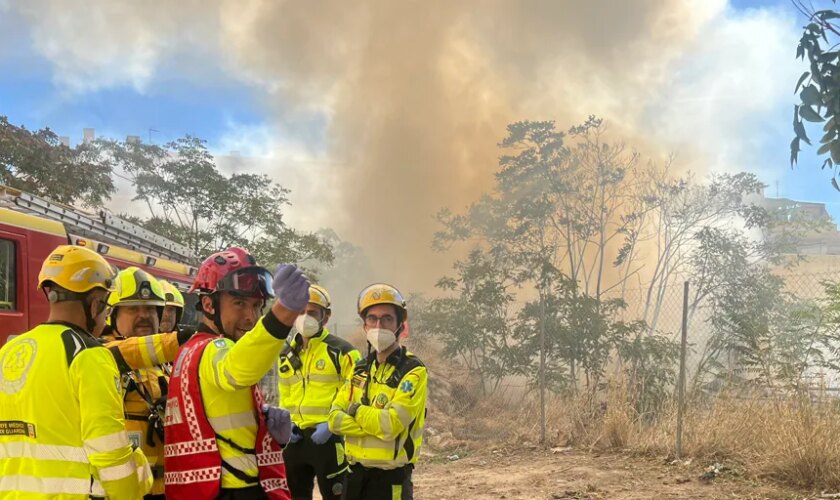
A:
(792, 440)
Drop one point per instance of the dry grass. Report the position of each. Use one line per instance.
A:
(790, 440)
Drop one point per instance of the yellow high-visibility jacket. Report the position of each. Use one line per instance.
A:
(146, 352)
(310, 377)
(141, 391)
(62, 433)
(387, 430)
(226, 372)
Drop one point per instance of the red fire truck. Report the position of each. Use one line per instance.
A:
(31, 227)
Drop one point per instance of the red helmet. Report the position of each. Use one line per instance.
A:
(233, 270)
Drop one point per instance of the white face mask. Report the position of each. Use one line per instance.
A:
(307, 325)
(381, 339)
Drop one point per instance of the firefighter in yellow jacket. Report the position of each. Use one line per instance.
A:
(381, 411)
(137, 307)
(313, 367)
(62, 432)
(173, 311)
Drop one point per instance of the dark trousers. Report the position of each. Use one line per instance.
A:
(249, 493)
(307, 461)
(365, 483)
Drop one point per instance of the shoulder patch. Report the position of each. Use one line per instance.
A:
(220, 343)
(76, 342)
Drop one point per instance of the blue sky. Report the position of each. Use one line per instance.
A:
(218, 106)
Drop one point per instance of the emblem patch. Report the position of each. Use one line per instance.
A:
(380, 401)
(221, 344)
(15, 364)
(320, 364)
(407, 386)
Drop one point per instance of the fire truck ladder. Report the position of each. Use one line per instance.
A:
(102, 226)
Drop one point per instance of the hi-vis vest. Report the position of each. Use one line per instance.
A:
(309, 378)
(387, 430)
(62, 433)
(144, 393)
(192, 461)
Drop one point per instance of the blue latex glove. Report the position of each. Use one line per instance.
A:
(322, 433)
(279, 423)
(291, 287)
(297, 434)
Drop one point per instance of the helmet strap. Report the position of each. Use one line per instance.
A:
(90, 321)
(216, 316)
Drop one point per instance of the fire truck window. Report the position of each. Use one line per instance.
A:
(7, 276)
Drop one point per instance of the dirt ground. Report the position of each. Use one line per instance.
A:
(571, 474)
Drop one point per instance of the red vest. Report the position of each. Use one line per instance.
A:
(192, 462)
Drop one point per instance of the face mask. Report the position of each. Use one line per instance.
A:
(307, 325)
(381, 339)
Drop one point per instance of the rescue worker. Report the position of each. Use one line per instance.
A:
(381, 411)
(173, 311)
(313, 367)
(62, 433)
(137, 306)
(219, 444)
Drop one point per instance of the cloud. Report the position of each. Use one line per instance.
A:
(379, 114)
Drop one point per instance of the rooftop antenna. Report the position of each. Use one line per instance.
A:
(150, 134)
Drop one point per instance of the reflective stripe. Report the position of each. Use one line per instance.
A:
(150, 348)
(46, 485)
(321, 377)
(368, 442)
(339, 419)
(118, 472)
(385, 422)
(233, 421)
(244, 463)
(289, 380)
(402, 413)
(217, 358)
(232, 380)
(22, 449)
(396, 492)
(315, 410)
(97, 490)
(107, 443)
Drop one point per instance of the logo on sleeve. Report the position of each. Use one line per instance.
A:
(221, 344)
(407, 386)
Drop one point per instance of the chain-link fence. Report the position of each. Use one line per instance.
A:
(768, 337)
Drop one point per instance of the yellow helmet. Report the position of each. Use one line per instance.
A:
(76, 269)
(136, 287)
(173, 296)
(381, 293)
(318, 295)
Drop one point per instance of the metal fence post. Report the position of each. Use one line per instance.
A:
(681, 382)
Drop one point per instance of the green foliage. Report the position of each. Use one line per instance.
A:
(37, 162)
(473, 319)
(193, 203)
(819, 87)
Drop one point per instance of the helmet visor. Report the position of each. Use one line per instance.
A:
(252, 281)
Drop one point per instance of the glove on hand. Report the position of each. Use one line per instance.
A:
(291, 287)
(279, 423)
(322, 433)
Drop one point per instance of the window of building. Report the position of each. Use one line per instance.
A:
(8, 291)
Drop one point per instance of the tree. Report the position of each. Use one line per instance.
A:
(474, 321)
(37, 162)
(819, 87)
(193, 203)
